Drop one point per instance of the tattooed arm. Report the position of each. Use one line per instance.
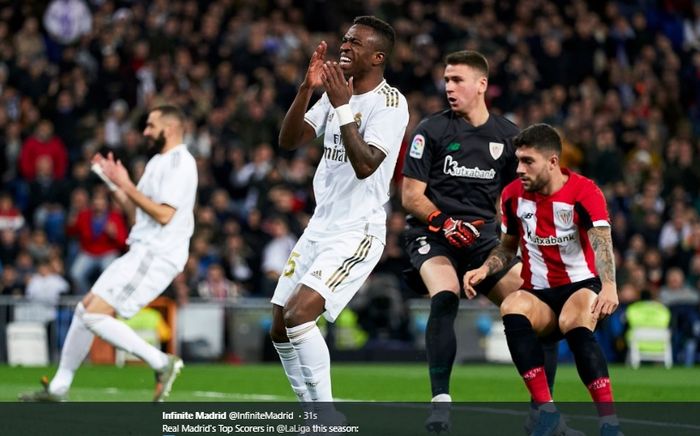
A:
(601, 242)
(498, 259)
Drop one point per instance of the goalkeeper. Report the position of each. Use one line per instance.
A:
(456, 165)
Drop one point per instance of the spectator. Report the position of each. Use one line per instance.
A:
(216, 286)
(237, 261)
(276, 252)
(674, 232)
(46, 286)
(10, 284)
(9, 247)
(47, 198)
(43, 143)
(116, 124)
(685, 317)
(28, 40)
(10, 217)
(101, 234)
(676, 291)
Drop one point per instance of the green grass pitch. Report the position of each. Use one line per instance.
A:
(362, 382)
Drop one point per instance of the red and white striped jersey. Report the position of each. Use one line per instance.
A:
(553, 230)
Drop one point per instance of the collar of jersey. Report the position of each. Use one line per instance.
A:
(382, 83)
(173, 149)
(471, 126)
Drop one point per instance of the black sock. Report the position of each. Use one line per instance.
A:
(525, 348)
(440, 340)
(589, 357)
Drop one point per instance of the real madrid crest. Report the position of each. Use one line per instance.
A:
(358, 119)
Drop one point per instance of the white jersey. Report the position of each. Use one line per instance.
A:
(169, 178)
(344, 202)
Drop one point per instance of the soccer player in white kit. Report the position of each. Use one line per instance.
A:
(362, 120)
(161, 210)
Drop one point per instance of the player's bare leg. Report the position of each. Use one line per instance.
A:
(508, 284)
(577, 323)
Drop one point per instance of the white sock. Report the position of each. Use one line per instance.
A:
(441, 406)
(314, 359)
(441, 398)
(121, 335)
(75, 348)
(292, 367)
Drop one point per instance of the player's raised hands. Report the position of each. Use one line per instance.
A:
(116, 172)
(338, 89)
(313, 73)
(97, 159)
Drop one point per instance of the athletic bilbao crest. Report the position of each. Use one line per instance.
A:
(565, 216)
(496, 149)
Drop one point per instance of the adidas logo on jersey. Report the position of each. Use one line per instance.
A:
(317, 274)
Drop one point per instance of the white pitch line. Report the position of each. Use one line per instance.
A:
(258, 397)
(248, 397)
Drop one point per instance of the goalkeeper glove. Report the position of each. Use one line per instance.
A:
(458, 233)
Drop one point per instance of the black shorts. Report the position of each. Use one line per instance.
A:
(422, 244)
(556, 297)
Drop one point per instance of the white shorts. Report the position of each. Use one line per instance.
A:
(134, 280)
(336, 268)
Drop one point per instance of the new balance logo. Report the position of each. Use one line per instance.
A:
(317, 274)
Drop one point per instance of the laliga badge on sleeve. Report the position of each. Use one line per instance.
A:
(417, 146)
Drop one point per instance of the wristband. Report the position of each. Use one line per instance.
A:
(344, 114)
(97, 169)
(435, 220)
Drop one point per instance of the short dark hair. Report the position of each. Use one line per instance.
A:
(539, 136)
(473, 59)
(387, 36)
(169, 110)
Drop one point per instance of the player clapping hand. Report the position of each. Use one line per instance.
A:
(313, 73)
(113, 169)
(338, 89)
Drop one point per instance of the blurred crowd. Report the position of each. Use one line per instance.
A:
(619, 79)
